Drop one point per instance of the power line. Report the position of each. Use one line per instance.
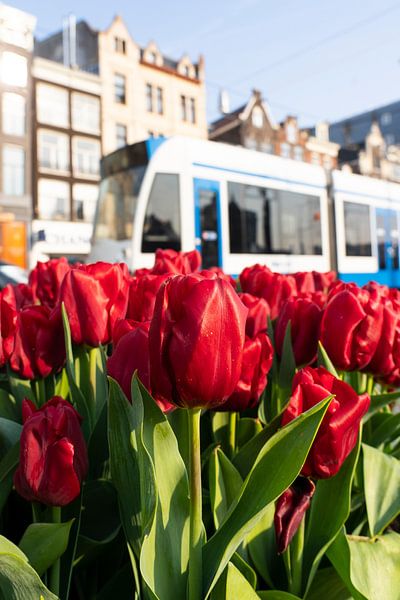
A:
(314, 46)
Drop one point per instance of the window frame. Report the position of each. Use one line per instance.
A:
(119, 86)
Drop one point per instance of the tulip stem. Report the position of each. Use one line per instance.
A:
(233, 418)
(93, 368)
(54, 582)
(196, 523)
(296, 560)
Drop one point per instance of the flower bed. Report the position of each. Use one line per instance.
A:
(245, 444)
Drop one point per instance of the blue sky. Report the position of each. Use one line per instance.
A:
(317, 59)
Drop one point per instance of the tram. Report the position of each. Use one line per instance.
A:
(240, 206)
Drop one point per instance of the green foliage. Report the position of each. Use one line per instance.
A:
(44, 543)
(18, 580)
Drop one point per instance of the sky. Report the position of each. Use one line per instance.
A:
(316, 59)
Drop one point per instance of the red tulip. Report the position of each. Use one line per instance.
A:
(53, 454)
(38, 343)
(45, 280)
(256, 363)
(170, 261)
(142, 296)
(290, 510)
(95, 297)
(351, 326)
(131, 353)
(338, 431)
(196, 341)
(305, 317)
(257, 317)
(220, 273)
(273, 287)
(8, 323)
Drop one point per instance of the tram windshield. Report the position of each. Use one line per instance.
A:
(117, 204)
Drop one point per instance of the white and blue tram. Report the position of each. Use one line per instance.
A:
(239, 207)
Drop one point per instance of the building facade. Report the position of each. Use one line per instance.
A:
(372, 157)
(144, 94)
(354, 130)
(16, 45)
(253, 127)
(66, 151)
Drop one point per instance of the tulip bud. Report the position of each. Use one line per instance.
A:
(53, 454)
(290, 510)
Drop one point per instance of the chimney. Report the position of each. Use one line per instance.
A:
(224, 107)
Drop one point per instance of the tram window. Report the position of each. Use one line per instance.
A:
(394, 238)
(357, 227)
(117, 204)
(268, 221)
(162, 227)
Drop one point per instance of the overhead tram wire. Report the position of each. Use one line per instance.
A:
(314, 46)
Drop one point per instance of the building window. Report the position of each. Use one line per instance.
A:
(53, 150)
(270, 221)
(162, 227)
(315, 158)
(160, 101)
(266, 147)
(152, 58)
(52, 105)
(85, 113)
(84, 199)
(14, 69)
(192, 110)
(183, 108)
(386, 118)
(119, 88)
(13, 114)
(53, 199)
(257, 118)
(285, 150)
(149, 97)
(85, 156)
(357, 227)
(121, 135)
(119, 45)
(13, 170)
(291, 133)
(298, 153)
(390, 139)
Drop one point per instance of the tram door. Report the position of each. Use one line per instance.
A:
(387, 229)
(207, 222)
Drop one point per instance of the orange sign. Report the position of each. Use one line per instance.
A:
(13, 243)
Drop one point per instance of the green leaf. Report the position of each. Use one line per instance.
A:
(287, 367)
(325, 361)
(99, 499)
(245, 458)
(371, 565)
(387, 431)
(329, 510)
(178, 421)
(381, 487)
(123, 423)
(224, 482)
(20, 388)
(62, 385)
(378, 401)
(220, 428)
(18, 580)
(44, 543)
(8, 465)
(261, 545)
(165, 550)
(10, 432)
(246, 430)
(78, 398)
(278, 595)
(234, 585)
(274, 470)
(245, 569)
(8, 407)
(327, 584)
